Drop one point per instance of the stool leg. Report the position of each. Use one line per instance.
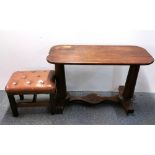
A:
(34, 98)
(52, 103)
(21, 97)
(13, 104)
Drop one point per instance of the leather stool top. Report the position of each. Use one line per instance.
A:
(31, 82)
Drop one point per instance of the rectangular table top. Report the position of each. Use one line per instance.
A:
(99, 55)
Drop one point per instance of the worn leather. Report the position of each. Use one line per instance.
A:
(31, 82)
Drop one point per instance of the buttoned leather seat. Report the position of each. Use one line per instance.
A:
(30, 82)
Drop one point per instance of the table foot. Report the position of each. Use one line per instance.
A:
(59, 105)
(59, 110)
(127, 104)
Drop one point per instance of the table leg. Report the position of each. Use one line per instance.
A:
(128, 91)
(61, 87)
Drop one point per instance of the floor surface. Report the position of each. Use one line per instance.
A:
(76, 114)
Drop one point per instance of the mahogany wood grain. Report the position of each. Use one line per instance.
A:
(33, 104)
(131, 81)
(99, 55)
(93, 99)
(61, 87)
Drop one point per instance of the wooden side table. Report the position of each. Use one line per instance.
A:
(133, 56)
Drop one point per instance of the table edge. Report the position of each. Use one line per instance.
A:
(78, 63)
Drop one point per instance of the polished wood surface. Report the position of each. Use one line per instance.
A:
(93, 99)
(99, 55)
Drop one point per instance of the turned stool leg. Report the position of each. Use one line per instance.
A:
(13, 104)
(34, 98)
(21, 97)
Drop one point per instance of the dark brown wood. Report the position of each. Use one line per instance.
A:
(93, 99)
(13, 104)
(21, 97)
(60, 80)
(40, 103)
(33, 104)
(127, 103)
(52, 104)
(99, 55)
(131, 81)
(28, 103)
(34, 98)
(61, 87)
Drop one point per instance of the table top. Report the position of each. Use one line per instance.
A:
(99, 55)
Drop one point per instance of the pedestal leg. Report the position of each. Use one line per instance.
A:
(129, 88)
(61, 87)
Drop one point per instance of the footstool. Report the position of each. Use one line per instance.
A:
(31, 82)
